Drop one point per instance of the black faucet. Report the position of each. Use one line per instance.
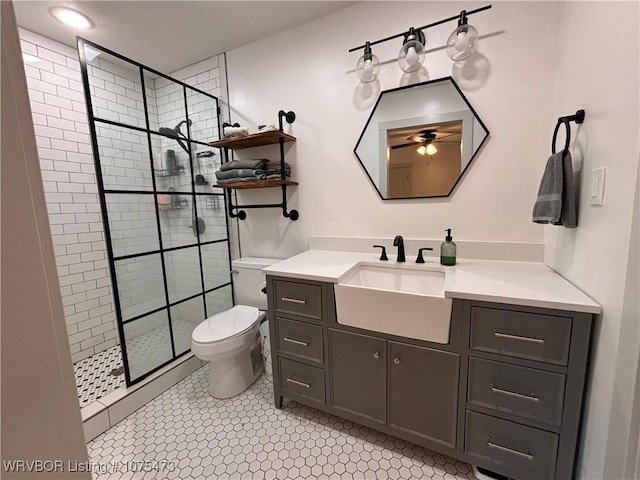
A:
(383, 254)
(399, 242)
(420, 258)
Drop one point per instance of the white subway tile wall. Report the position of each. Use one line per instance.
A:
(64, 149)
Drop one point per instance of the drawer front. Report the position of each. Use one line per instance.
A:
(298, 298)
(522, 391)
(302, 379)
(519, 334)
(300, 339)
(528, 451)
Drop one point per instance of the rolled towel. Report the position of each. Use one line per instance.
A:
(241, 172)
(236, 164)
(556, 200)
(232, 131)
(267, 128)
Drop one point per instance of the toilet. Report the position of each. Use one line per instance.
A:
(230, 340)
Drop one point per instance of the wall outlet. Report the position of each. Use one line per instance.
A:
(598, 176)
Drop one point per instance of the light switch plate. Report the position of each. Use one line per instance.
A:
(598, 176)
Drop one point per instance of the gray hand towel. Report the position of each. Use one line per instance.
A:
(255, 164)
(241, 172)
(556, 201)
(222, 181)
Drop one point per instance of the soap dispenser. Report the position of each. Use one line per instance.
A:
(448, 250)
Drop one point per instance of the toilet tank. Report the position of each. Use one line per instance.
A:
(248, 279)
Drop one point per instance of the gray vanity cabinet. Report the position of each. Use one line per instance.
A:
(407, 387)
(505, 393)
(358, 375)
(423, 391)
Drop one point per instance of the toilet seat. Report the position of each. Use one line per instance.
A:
(226, 325)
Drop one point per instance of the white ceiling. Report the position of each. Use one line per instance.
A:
(169, 35)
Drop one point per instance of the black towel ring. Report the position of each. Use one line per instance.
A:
(578, 118)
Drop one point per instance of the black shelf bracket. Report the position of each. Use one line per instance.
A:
(238, 211)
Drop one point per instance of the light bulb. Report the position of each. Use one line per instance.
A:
(367, 66)
(422, 150)
(411, 55)
(462, 42)
(431, 149)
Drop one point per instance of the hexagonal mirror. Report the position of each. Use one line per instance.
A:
(419, 140)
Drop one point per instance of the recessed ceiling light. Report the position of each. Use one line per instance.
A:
(71, 18)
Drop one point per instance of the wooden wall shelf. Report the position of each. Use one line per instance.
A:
(272, 137)
(253, 140)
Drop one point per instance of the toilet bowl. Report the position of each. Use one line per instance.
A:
(230, 340)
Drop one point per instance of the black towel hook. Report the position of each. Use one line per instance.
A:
(578, 118)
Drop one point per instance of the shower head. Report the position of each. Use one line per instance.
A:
(176, 134)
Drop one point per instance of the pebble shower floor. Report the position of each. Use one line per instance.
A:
(186, 434)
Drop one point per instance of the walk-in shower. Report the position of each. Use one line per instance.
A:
(165, 227)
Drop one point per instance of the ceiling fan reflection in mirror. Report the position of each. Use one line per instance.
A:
(428, 138)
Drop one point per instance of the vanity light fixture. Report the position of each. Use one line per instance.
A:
(462, 43)
(71, 18)
(411, 55)
(368, 65)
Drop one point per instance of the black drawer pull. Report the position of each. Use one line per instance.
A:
(518, 337)
(294, 300)
(300, 384)
(526, 454)
(296, 342)
(533, 397)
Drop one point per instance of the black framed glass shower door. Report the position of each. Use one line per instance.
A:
(166, 229)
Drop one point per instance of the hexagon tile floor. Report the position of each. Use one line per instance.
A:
(186, 434)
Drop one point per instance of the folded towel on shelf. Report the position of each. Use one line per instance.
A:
(274, 168)
(241, 172)
(232, 131)
(276, 176)
(267, 128)
(556, 200)
(222, 181)
(237, 164)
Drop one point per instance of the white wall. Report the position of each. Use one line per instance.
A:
(309, 70)
(596, 255)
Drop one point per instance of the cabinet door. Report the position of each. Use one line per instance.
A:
(358, 374)
(423, 391)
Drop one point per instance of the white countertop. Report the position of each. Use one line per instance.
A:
(516, 283)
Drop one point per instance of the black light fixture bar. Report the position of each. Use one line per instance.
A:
(424, 27)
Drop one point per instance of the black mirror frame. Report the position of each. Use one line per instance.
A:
(405, 87)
